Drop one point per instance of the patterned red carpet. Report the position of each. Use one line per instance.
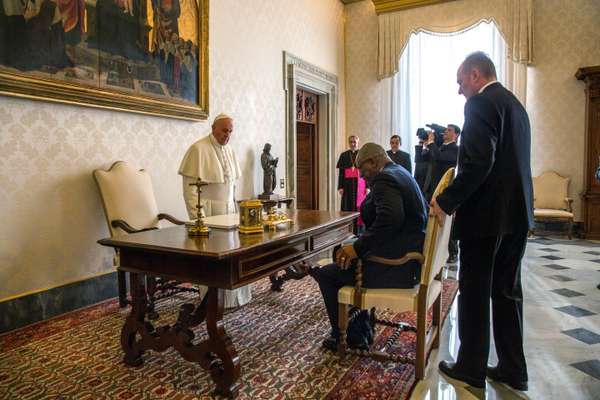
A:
(277, 336)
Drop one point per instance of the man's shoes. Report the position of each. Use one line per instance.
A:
(497, 376)
(331, 343)
(452, 259)
(451, 370)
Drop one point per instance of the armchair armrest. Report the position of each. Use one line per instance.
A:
(119, 223)
(569, 202)
(170, 218)
(358, 289)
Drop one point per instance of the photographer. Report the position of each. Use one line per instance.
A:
(441, 158)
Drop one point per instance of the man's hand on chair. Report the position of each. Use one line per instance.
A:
(345, 255)
(436, 210)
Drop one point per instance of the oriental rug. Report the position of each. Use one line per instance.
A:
(278, 337)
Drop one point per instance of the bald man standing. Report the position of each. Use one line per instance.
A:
(213, 161)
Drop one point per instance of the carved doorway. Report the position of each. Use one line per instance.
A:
(307, 143)
(311, 144)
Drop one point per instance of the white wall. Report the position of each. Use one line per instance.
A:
(49, 206)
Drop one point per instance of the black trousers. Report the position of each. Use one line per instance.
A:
(331, 279)
(490, 267)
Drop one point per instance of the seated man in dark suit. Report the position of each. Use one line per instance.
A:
(395, 217)
(398, 156)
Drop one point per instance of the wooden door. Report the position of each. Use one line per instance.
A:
(307, 180)
(591, 190)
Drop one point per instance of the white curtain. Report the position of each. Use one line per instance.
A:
(425, 91)
(514, 19)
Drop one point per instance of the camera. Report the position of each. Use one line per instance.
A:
(438, 133)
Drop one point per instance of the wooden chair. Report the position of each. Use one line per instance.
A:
(129, 207)
(418, 299)
(551, 201)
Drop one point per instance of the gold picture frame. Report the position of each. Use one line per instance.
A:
(151, 57)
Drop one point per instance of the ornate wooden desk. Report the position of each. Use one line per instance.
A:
(224, 260)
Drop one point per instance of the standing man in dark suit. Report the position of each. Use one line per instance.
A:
(421, 166)
(398, 156)
(492, 196)
(441, 158)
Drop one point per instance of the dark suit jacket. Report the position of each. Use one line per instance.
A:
(394, 213)
(441, 159)
(421, 167)
(401, 158)
(493, 192)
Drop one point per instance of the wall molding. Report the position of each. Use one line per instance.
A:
(300, 73)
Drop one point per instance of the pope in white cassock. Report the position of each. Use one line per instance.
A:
(213, 161)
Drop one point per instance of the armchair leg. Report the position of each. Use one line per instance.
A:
(343, 326)
(421, 344)
(436, 322)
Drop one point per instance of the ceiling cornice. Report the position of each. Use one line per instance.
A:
(350, 1)
(383, 6)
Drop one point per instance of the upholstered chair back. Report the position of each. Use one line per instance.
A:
(550, 191)
(435, 248)
(127, 195)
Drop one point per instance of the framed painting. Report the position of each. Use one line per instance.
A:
(145, 56)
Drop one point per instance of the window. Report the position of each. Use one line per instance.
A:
(424, 90)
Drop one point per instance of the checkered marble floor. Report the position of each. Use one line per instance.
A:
(562, 328)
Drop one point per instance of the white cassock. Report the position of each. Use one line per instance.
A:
(218, 166)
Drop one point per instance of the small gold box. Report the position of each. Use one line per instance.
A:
(251, 220)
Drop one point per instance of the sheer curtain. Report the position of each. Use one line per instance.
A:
(424, 91)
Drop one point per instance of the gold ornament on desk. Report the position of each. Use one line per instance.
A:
(251, 216)
(274, 217)
(198, 228)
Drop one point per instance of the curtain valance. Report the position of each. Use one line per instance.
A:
(514, 19)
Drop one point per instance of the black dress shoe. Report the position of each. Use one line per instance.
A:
(452, 259)
(331, 343)
(450, 369)
(495, 375)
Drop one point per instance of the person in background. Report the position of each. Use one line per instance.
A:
(398, 156)
(351, 186)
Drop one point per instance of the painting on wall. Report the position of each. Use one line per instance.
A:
(147, 56)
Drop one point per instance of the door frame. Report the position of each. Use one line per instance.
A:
(297, 72)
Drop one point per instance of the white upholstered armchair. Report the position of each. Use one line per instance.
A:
(551, 201)
(130, 207)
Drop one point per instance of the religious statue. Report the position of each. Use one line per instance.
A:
(269, 164)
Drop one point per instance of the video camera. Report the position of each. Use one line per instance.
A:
(438, 132)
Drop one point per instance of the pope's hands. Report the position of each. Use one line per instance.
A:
(345, 256)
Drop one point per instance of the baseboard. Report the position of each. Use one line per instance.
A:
(557, 228)
(28, 309)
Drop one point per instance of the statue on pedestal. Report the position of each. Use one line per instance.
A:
(269, 164)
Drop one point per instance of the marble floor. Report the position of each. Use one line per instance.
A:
(562, 329)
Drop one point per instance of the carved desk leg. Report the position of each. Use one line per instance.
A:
(225, 368)
(134, 324)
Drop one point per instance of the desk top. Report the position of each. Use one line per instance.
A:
(227, 243)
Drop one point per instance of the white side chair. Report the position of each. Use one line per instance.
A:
(551, 201)
(418, 299)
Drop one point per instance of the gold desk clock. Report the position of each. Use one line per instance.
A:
(198, 228)
(251, 217)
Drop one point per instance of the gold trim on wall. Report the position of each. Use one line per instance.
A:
(383, 6)
(31, 87)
